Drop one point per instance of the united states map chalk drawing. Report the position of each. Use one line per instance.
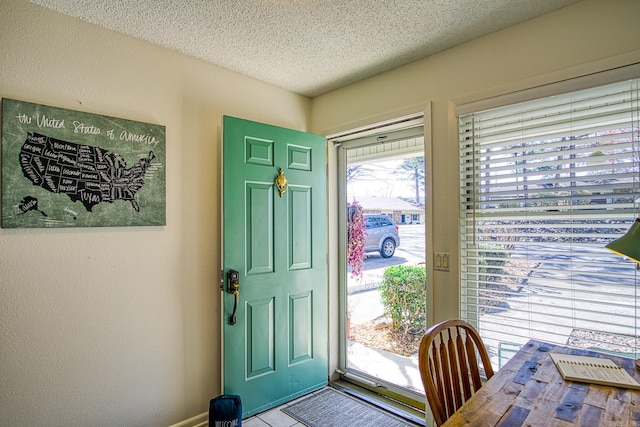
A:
(86, 174)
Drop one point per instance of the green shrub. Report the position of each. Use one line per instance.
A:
(494, 257)
(404, 296)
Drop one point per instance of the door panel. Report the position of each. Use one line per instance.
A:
(300, 228)
(300, 327)
(259, 227)
(260, 337)
(277, 349)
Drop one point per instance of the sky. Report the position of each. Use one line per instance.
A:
(379, 180)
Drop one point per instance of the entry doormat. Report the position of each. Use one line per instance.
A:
(331, 408)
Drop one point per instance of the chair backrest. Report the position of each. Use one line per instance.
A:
(448, 362)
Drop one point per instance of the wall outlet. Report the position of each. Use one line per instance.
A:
(441, 261)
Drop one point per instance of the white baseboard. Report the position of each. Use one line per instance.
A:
(201, 420)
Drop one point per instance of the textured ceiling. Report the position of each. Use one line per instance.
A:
(306, 46)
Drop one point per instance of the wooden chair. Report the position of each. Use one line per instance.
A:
(448, 362)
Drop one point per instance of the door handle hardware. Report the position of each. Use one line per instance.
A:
(233, 287)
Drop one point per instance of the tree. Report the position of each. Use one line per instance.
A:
(415, 168)
(353, 172)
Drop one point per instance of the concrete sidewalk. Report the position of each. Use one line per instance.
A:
(400, 370)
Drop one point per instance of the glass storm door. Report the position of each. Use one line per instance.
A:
(383, 176)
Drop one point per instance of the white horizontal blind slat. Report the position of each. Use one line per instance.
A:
(545, 185)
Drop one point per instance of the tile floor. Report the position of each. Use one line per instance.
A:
(273, 418)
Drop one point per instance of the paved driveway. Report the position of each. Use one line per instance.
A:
(556, 303)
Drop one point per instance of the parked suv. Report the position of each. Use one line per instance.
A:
(382, 235)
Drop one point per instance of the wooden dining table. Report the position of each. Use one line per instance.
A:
(529, 391)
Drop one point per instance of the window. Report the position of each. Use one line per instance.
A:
(385, 221)
(371, 222)
(545, 185)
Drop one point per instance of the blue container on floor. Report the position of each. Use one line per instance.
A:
(225, 411)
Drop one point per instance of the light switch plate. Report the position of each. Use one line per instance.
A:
(441, 261)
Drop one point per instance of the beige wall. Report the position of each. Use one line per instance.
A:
(584, 38)
(120, 326)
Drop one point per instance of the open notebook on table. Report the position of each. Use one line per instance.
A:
(593, 370)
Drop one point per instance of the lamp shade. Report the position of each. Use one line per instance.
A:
(629, 244)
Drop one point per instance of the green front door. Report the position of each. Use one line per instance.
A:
(277, 348)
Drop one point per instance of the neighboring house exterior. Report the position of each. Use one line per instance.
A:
(401, 211)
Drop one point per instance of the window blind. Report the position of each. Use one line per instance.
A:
(545, 185)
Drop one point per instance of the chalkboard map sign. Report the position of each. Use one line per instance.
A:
(65, 168)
